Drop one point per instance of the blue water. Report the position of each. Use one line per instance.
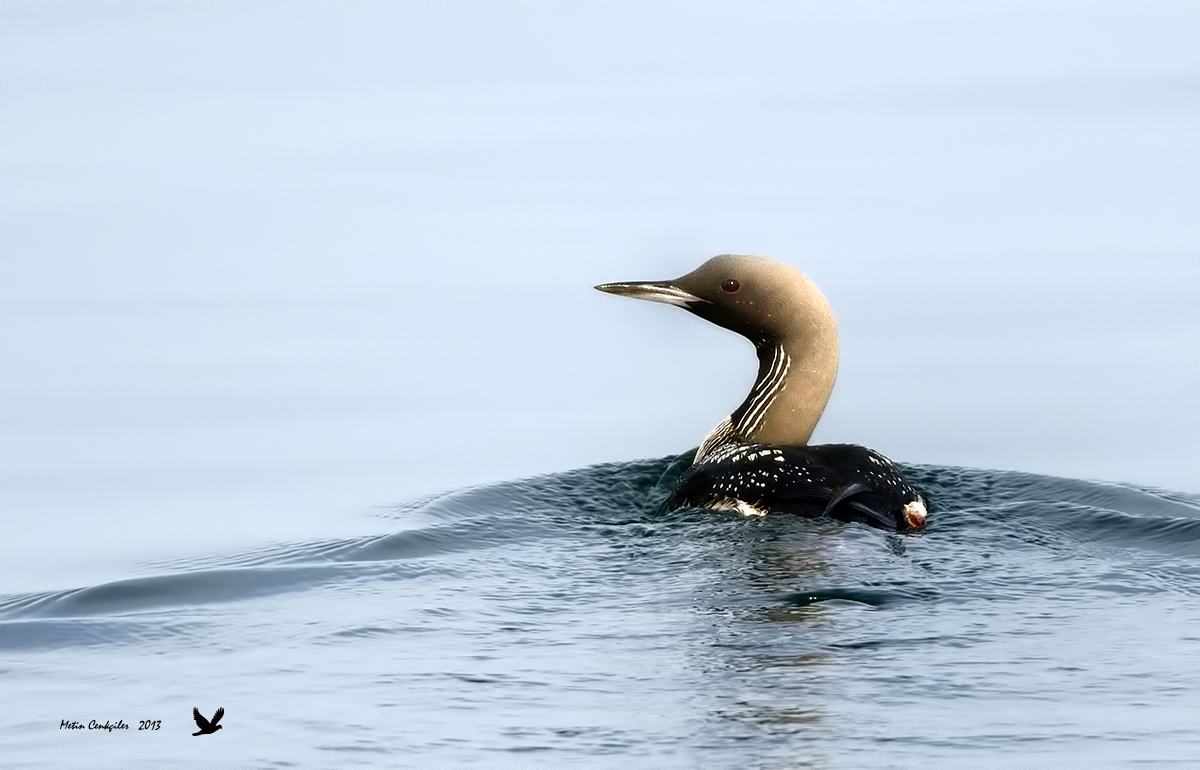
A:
(568, 620)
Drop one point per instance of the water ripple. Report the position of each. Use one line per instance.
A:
(983, 525)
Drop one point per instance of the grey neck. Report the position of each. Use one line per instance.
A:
(795, 379)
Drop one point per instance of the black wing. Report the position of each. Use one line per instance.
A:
(839, 481)
(201, 722)
(217, 716)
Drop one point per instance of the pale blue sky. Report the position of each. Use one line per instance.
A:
(269, 265)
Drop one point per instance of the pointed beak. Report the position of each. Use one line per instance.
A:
(655, 291)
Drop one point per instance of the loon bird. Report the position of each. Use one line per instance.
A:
(758, 459)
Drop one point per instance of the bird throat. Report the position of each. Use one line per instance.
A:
(786, 402)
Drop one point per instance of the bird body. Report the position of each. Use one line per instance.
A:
(846, 482)
(758, 459)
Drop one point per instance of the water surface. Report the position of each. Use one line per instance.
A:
(567, 619)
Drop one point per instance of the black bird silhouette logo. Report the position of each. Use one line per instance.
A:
(207, 727)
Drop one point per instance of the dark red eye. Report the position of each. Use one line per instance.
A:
(730, 285)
